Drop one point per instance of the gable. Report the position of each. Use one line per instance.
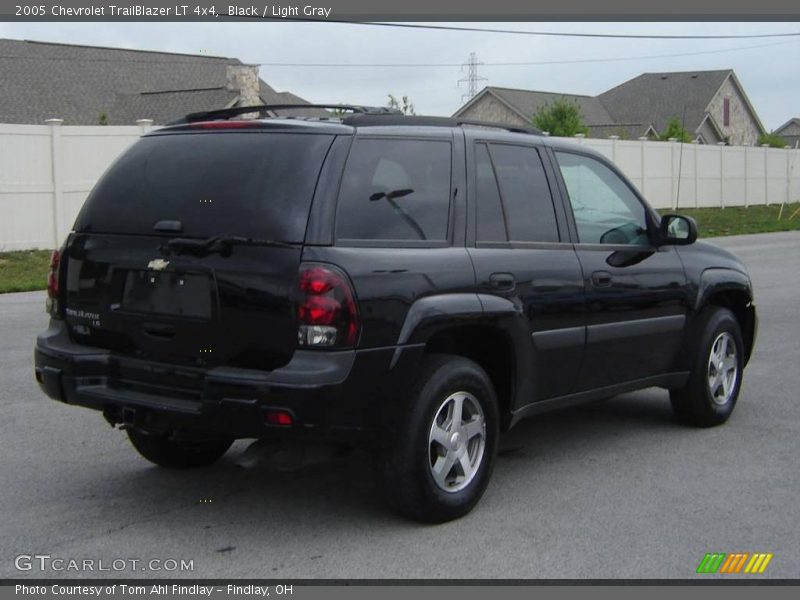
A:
(744, 127)
(658, 97)
(791, 127)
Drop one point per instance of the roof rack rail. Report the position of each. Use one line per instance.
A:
(366, 119)
(227, 113)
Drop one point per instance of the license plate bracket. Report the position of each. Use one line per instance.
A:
(168, 293)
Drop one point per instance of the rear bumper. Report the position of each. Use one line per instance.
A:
(337, 395)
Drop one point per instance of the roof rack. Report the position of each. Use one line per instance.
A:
(360, 116)
(395, 118)
(227, 113)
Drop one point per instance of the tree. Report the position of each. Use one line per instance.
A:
(404, 104)
(560, 118)
(772, 139)
(675, 130)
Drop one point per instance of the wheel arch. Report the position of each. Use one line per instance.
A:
(489, 330)
(733, 290)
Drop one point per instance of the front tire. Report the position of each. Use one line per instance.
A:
(710, 395)
(441, 451)
(177, 454)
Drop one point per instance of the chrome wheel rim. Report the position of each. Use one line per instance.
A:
(456, 442)
(723, 369)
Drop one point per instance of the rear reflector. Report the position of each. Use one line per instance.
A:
(280, 417)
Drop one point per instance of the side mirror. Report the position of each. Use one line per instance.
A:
(677, 230)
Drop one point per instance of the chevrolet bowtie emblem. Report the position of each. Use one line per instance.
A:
(158, 264)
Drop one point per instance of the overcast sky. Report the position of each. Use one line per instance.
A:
(770, 72)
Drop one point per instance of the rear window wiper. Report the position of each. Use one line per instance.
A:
(219, 244)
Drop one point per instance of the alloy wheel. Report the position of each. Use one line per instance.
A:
(457, 441)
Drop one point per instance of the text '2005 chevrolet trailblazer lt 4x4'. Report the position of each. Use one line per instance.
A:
(415, 284)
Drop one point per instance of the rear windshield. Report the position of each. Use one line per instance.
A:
(247, 184)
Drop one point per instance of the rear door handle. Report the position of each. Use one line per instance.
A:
(601, 278)
(502, 281)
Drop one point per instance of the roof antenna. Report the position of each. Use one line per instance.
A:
(680, 158)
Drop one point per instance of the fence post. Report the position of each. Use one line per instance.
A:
(745, 177)
(673, 196)
(766, 172)
(642, 141)
(144, 124)
(696, 174)
(721, 174)
(55, 157)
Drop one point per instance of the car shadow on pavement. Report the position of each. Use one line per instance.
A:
(338, 487)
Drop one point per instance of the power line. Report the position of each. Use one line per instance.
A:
(629, 36)
(524, 32)
(200, 60)
(528, 63)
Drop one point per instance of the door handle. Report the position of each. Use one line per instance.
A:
(502, 281)
(601, 278)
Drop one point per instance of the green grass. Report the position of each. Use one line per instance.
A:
(24, 271)
(737, 220)
(27, 270)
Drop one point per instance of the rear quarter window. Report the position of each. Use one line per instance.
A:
(250, 184)
(395, 189)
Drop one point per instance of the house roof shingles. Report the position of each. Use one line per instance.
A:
(657, 97)
(632, 107)
(79, 83)
(528, 102)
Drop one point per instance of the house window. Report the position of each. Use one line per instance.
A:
(726, 112)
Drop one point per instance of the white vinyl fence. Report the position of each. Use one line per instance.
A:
(46, 172)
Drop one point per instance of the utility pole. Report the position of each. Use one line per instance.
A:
(472, 77)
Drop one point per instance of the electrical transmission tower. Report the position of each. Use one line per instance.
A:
(472, 77)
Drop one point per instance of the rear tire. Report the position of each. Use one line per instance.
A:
(177, 454)
(440, 452)
(710, 395)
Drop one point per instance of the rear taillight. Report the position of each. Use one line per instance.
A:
(326, 310)
(52, 284)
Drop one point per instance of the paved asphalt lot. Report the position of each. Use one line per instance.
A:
(615, 489)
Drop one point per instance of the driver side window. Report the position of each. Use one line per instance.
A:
(606, 210)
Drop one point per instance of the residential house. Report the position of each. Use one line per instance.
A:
(712, 105)
(89, 85)
(790, 131)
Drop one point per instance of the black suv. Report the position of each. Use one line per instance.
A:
(416, 284)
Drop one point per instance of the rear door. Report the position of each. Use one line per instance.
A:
(521, 252)
(232, 304)
(636, 292)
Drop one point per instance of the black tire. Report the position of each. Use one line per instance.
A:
(695, 404)
(177, 454)
(405, 466)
